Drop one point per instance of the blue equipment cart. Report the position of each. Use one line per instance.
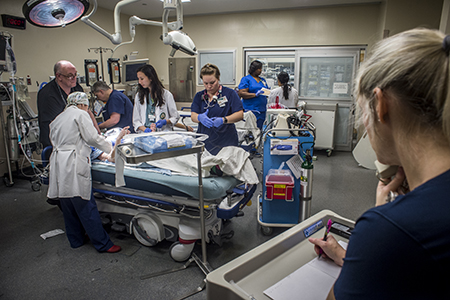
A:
(285, 178)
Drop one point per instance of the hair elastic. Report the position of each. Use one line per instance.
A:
(446, 44)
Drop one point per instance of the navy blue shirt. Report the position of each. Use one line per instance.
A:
(228, 103)
(401, 250)
(121, 104)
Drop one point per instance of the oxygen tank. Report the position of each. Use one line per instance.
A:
(306, 180)
(13, 138)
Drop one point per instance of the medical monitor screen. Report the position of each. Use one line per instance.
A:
(130, 68)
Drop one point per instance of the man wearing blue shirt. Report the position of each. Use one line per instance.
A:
(118, 110)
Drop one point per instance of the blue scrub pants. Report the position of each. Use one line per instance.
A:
(260, 118)
(80, 217)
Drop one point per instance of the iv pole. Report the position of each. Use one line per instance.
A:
(100, 50)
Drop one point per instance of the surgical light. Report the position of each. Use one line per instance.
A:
(54, 13)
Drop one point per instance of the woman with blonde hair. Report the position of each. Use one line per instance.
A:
(401, 249)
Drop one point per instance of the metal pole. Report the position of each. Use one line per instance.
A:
(202, 206)
(101, 62)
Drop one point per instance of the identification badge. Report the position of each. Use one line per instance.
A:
(151, 118)
(222, 101)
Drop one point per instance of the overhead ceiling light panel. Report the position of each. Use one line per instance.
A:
(54, 13)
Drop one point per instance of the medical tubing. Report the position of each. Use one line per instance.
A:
(13, 100)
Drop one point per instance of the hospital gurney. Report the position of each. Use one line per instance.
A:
(153, 206)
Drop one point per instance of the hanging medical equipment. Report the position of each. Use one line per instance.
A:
(100, 51)
(176, 38)
(114, 70)
(20, 131)
(59, 13)
(91, 70)
(54, 13)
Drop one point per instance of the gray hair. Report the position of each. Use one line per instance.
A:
(100, 85)
(59, 65)
(413, 68)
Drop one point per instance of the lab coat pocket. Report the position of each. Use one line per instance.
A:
(83, 166)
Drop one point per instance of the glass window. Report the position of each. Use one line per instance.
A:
(224, 59)
(326, 77)
(273, 65)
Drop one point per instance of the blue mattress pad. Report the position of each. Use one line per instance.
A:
(214, 188)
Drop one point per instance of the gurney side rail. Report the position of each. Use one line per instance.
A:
(178, 209)
(179, 200)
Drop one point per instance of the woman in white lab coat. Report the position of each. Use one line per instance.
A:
(154, 106)
(71, 134)
(287, 95)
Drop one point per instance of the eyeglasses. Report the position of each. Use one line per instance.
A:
(70, 76)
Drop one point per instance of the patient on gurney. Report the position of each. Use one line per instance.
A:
(114, 135)
(231, 161)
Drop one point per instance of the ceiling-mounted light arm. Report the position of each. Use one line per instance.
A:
(169, 5)
(115, 38)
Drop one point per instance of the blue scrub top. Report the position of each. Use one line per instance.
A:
(226, 134)
(121, 104)
(258, 103)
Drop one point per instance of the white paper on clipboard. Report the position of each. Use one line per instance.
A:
(295, 164)
(266, 92)
(313, 280)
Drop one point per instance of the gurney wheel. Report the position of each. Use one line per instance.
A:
(7, 182)
(147, 229)
(181, 252)
(36, 186)
(266, 230)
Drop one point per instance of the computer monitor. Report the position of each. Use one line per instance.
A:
(129, 69)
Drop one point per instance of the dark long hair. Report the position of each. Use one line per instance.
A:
(156, 86)
(255, 65)
(283, 77)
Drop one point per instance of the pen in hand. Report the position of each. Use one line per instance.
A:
(325, 235)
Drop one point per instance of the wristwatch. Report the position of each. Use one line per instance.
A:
(225, 120)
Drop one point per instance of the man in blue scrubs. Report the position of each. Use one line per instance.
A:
(216, 109)
(118, 111)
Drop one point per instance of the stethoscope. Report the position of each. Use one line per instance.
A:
(213, 102)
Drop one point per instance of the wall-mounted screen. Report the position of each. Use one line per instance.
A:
(129, 69)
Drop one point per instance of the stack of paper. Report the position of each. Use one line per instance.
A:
(312, 281)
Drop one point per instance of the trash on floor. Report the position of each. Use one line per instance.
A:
(52, 233)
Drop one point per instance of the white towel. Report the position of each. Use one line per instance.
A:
(233, 161)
